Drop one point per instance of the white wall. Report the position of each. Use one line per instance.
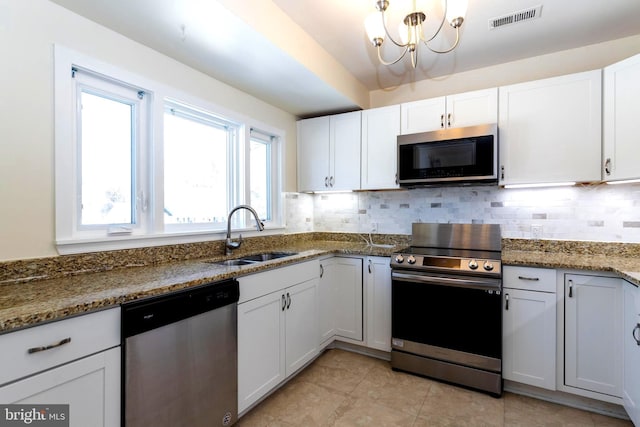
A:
(555, 64)
(28, 31)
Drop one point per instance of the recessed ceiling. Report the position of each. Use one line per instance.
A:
(243, 51)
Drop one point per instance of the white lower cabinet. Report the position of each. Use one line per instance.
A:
(593, 333)
(75, 361)
(529, 326)
(631, 345)
(377, 276)
(90, 386)
(341, 299)
(277, 331)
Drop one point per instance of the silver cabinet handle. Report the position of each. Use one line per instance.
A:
(326, 181)
(502, 172)
(397, 182)
(331, 181)
(321, 271)
(570, 288)
(528, 278)
(633, 333)
(607, 166)
(506, 302)
(288, 300)
(449, 119)
(369, 266)
(50, 346)
(284, 302)
(441, 120)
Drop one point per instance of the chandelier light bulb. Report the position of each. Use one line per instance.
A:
(375, 29)
(456, 10)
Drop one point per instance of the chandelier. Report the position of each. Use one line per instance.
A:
(410, 29)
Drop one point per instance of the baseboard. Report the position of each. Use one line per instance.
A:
(567, 399)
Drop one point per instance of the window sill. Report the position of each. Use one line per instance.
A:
(79, 246)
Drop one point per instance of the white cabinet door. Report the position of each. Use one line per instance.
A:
(327, 147)
(326, 307)
(348, 297)
(529, 337)
(379, 164)
(301, 324)
(479, 107)
(593, 333)
(422, 116)
(261, 347)
(344, 172)
(378, 285)
(342, 308)
(90, 386)
(313, 154)
(550, 130)
(621, 126)
(631, 339)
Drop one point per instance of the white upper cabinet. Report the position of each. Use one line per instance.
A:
(380, 130)
(327, 147)
(460, 110)
(621, 124)
(550, 130)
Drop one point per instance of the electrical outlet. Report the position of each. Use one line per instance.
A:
(374, 227)
(536, 232)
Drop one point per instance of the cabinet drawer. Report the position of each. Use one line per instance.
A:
(88, 334)
(263, 283)
(529, 278)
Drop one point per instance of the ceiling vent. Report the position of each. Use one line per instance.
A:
(515, 17)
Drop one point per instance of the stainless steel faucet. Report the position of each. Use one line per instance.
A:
(230, 244)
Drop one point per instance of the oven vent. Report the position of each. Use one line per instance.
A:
(515, 17)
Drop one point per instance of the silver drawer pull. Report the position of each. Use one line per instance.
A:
(49, 347)
(528, 278)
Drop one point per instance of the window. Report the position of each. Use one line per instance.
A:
(108, 124)
(198, 166)
(136, 160)
(261, 148)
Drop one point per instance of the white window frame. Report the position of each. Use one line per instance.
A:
(276, 172)
(234, 143)
(152, 230)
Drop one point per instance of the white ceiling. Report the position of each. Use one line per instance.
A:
(222, 40)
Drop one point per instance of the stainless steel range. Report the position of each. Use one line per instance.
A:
(446, 305)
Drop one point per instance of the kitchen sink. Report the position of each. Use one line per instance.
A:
(253, 259)
(232, 262)
(267, 256)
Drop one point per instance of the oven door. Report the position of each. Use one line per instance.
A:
(448, 317)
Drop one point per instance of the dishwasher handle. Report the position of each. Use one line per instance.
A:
(154, 312)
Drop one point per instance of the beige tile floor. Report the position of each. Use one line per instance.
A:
(346, 389)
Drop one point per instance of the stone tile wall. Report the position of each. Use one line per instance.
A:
(596, 213)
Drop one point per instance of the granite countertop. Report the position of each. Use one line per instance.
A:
(622, 259)
(27, 303)
(32, 292)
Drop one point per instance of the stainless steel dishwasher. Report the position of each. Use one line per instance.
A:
(180, 358)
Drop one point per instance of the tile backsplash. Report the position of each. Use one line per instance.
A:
(595, 212)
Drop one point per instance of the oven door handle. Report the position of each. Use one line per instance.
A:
(447, 281)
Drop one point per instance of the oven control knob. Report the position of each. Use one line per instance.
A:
(411, 259)
(473, 264)
(399, 259)
(487, 266)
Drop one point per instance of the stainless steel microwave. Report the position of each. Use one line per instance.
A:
(466, 155)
